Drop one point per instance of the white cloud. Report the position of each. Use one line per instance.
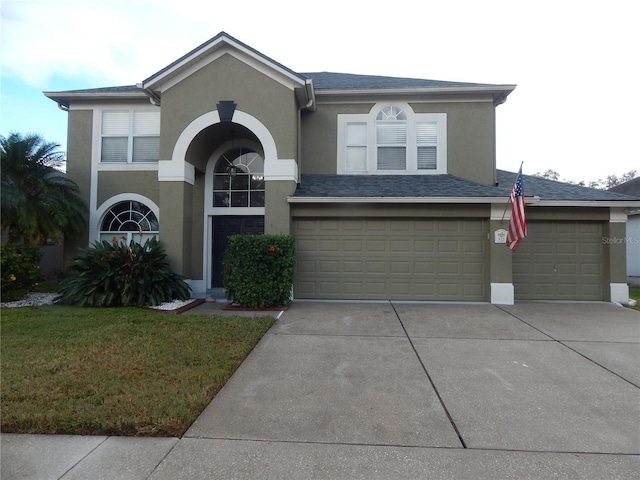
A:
(574, 109)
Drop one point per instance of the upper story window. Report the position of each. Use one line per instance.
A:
(392, 139)
(130, 136)
(238, 179)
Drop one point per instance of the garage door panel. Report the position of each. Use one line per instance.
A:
(473, 268)
(353, 266)
(376, 246)
(566, 269)
(543, 248)
(424, 246)
(413, 259)
(352, 245)
(400, 267)
(427, 268)
(329, 245)
(399, 246)
(560, 260)
(306, 266)
(567, 248)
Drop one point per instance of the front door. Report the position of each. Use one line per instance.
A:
(224, 226)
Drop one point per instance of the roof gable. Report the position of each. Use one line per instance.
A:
(217, 46)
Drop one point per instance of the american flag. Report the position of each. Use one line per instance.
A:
(517, 225)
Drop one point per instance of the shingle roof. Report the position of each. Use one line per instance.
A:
(390, 186)
(97, 91)
(348, 81)
(398, 186)
(553, 190)
(631, 187)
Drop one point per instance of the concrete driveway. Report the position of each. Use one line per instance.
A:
(407, 390)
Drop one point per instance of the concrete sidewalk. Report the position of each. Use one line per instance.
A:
(397, 390)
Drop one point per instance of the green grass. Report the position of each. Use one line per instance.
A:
(634, 292)
(119, 371)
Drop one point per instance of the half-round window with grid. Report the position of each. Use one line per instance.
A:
(129, 220)
(238, 179)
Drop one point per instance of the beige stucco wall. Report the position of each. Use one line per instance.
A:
(80, 124)
(228, 78)
(113, 183)
(277, 214)
(176, 221)
(470, 136)
(617, 252)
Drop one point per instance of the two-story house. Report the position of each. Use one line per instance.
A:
(389, 185)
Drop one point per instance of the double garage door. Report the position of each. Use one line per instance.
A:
(391, 258)
(560, 260)
(443, 259)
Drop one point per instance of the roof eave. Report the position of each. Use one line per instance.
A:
(590, 203)
(65, 98)
(498, 92)
(457, 200)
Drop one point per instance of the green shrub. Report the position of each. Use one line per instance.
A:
(258, 270)
(20, 269)
(112, 274)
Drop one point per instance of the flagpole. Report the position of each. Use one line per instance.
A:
(507, 204)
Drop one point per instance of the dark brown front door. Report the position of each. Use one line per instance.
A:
(222, 228)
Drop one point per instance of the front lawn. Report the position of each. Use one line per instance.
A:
(116, 371)
(634, 292)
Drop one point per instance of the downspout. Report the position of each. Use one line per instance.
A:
(63, 107)
(310, 96)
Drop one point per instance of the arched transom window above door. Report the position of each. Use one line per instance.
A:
(238, 179)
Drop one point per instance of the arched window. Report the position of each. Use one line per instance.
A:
(238, 179)
(129, 220)
(392, 140)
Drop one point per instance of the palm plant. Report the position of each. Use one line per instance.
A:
(38, 201)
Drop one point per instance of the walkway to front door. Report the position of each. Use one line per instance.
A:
(223, 227)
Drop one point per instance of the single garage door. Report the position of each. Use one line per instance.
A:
(391, 258)
(560, 261)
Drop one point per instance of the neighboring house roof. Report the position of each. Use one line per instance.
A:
(631, 187)
(444, 186)
(554, 190)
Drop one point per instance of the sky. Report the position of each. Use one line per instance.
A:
(575, 110)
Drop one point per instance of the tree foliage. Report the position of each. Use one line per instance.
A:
(38, 201)
(602, 184)
(19, 269)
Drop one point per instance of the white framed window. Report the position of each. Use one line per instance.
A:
(238, 179)
(392, 139)
(130, 136)
(129, 220)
